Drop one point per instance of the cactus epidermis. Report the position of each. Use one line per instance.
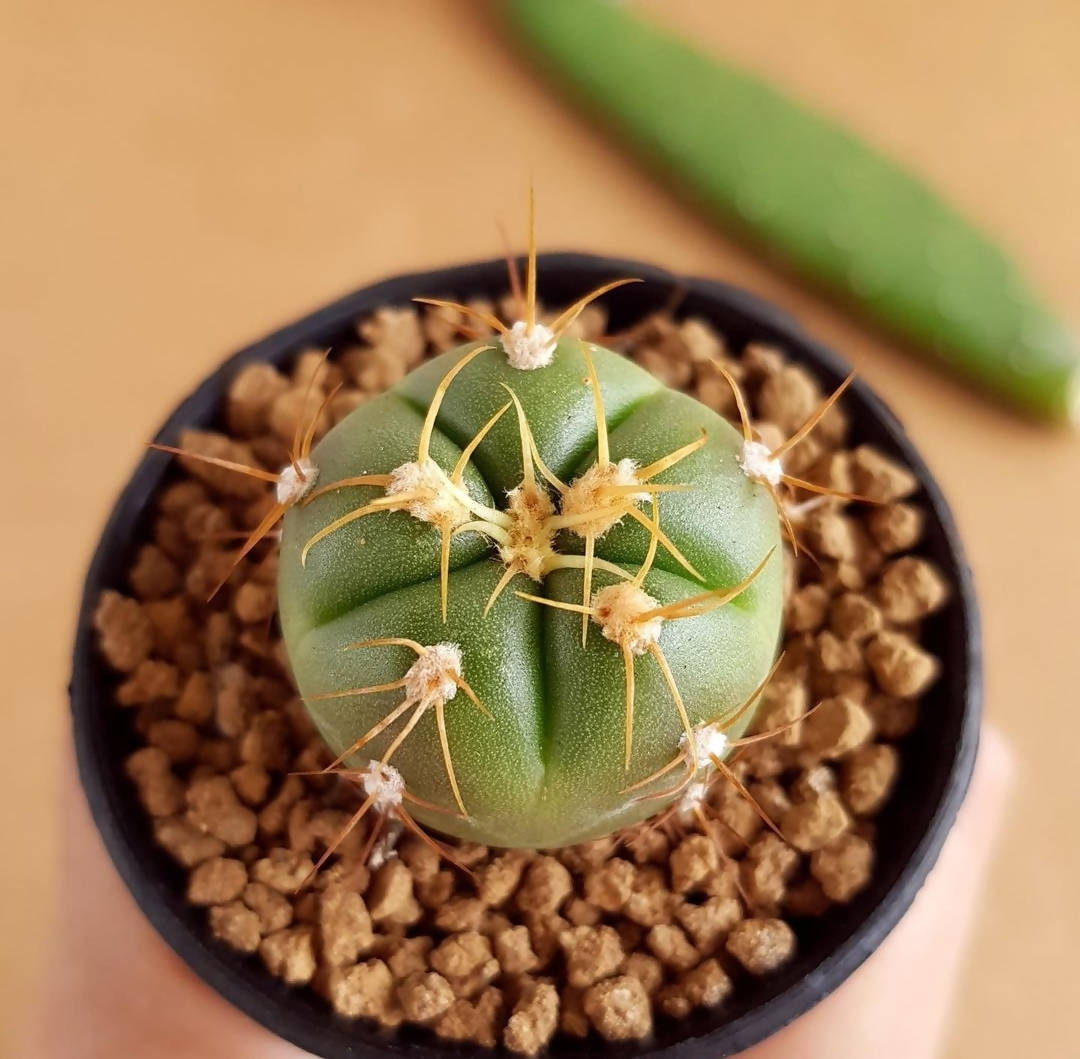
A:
(530, 587)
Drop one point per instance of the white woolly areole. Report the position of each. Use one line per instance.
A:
(755, 458)
(438, 504)
(694, 796)
(709, 742)
(528, 545)
(529, 348)
(291, 487)
(585, 496)
(384, 784)
(431, 676)
(626, 474)
(617, 608)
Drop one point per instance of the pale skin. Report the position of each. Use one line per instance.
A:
(112, 987)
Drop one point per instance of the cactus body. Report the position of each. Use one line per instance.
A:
(546, 766)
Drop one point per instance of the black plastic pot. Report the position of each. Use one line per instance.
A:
(938, 755)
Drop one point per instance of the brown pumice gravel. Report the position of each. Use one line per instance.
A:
(595, 939)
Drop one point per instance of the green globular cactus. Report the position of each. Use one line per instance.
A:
(529, 590)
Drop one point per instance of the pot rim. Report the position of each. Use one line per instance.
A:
(297, 1015)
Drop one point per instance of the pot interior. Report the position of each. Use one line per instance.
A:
(937, 756)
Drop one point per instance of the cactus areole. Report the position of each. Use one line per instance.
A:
(531, 585)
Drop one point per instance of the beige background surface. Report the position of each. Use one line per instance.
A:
(178, 178)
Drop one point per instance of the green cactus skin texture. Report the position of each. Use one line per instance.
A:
(841, 212)
(546, 767)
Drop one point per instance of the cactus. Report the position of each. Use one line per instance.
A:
(594, 572)
(525, 581)
(803, 186)
(530, 596)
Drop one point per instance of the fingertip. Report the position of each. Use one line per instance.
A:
(979, 821)
(996, 758)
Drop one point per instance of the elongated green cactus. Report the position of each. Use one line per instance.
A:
(840, 211)
(526, 576)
